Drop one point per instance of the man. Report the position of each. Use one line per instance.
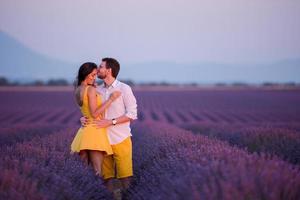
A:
(117, 121)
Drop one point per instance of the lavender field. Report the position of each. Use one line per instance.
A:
(200, 144)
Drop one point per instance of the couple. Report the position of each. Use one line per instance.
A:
(104, 140)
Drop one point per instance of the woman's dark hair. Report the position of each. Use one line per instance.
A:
(84, 70)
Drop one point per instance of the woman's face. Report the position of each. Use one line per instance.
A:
(90, 79)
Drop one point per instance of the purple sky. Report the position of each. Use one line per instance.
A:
(226, 31)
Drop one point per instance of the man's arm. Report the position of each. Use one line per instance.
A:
(103, 123)
(130, 110)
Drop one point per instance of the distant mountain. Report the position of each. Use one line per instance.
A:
(21, 63)
(18, 62)
(281, 72)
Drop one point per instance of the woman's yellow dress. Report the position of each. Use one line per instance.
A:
(90, 137)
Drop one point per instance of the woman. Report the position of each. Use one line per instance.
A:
(91, 142)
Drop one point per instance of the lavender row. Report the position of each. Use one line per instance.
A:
(44, 169)
(245, 106)
(267, 138)
(261, 105)
(23, 132)
(172, 163)
(182, 116)
(54, 116)
(168, 163)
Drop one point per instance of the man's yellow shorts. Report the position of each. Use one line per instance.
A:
(120, 161)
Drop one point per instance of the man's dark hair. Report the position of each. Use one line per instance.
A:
(113, 64)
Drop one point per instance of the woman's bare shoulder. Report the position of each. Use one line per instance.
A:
(91, 90)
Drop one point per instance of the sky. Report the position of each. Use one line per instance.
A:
(239, 32)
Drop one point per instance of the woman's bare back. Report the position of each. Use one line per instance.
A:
(79, 95)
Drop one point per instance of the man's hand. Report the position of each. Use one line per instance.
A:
(103, 123)
(84, 121)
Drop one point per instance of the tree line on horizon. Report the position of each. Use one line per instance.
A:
(63, 82)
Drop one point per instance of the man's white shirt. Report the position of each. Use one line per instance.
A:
(124, 105)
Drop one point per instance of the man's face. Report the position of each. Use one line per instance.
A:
(103, 71)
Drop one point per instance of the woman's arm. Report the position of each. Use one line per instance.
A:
(97, 111)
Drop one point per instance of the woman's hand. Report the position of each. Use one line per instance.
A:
(113, 96)
(84, 121)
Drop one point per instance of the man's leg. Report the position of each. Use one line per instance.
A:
(125, 182)
(123, 160)
(108, 172)
(109, 184)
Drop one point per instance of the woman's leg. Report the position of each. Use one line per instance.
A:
(97, 160)
(84, 156)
